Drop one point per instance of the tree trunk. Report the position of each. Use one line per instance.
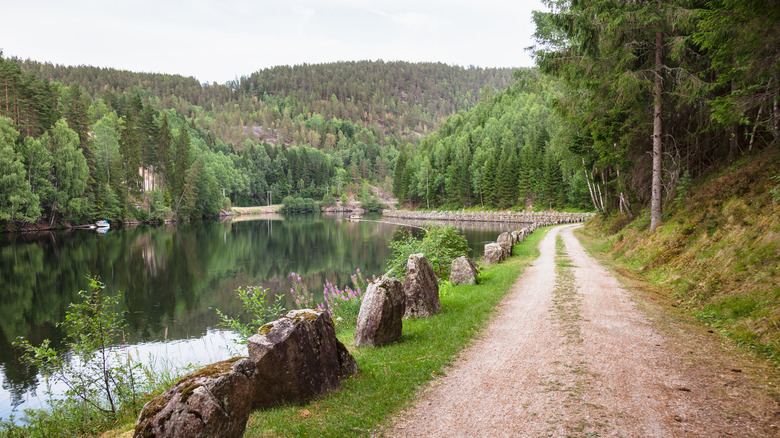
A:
(655, 199)
(590, 188)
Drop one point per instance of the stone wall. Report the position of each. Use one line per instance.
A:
(539, 218)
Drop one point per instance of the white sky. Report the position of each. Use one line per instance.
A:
(216, 41)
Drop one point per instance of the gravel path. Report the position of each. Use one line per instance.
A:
(569, 354)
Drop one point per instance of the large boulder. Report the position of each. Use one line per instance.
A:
(215, 401)
(494, 254)
(463, 271)
(421, 288)
(292, 360)
(381, 313)
(506, 242)
(299, 358)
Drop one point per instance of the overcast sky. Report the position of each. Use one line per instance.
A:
(216, 41)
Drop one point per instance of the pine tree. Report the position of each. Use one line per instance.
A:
(489, 181)
(165, 151)
(77, 115)
(181, 162)
(129, 150)
(614, 57)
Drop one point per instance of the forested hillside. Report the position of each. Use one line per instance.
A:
(511, 150)
(81, 143)
(390, 98)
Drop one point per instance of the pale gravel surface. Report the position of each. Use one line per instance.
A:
(589, 366)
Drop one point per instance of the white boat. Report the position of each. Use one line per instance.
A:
(102, 224)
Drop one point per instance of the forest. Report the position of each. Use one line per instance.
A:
(631, 102)
(84, 143)
(660, 93)
(511, 150)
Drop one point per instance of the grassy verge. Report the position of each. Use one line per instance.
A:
(390, 376)
(716, 255)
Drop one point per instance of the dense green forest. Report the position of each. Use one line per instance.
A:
(81, 143)
(511, 150)
(635, 101)
(662, 92)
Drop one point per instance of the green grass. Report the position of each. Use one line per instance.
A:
(390, 376)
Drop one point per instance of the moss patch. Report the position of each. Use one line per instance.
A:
(267, 328)
(213, 370)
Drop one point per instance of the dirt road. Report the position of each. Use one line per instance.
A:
(569, 354)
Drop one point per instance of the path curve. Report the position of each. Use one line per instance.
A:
(569, 354)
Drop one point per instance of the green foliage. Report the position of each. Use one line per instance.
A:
(508, 151)
(259, 139)
(258, 311)
(775, 191)
(370, 201)
(17, 200)
(716, 254)
(343, 304)
(95, 374)
(299, 205)
(441, 245)
(683, 186)
(328, 200)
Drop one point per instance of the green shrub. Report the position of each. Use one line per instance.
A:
(299, 205)
(441, 245)
(100, 379)
(260, 312)
(328, 200)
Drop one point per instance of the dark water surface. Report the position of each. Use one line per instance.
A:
(172, 277)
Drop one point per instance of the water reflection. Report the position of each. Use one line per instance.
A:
(172, 277)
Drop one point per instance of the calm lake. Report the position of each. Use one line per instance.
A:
(173, 277)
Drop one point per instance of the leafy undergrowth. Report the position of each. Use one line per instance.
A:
(716, 253)
(390, 376)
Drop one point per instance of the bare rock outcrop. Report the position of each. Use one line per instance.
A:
(494, 254)
(380, 320)
(463, 271)
(292, 360)
(421, 288)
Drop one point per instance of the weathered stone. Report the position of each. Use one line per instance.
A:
(381, 313)
(292, 360)
(463, 271)
(299, 358)
(215, 401)
(494, 254)
(505, 240)
(421, 288)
